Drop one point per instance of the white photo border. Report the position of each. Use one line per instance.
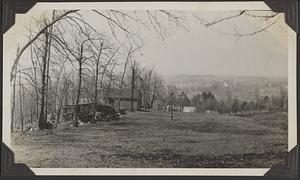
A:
(292, 87)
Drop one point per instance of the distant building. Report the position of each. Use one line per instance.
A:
(71, 96)
(113, 96)
(189, 109)
(175, 108)
(226, 84)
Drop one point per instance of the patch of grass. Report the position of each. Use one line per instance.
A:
(147, 139)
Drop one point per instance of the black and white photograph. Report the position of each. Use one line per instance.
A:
(152, 87)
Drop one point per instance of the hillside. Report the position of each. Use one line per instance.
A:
(222, 86)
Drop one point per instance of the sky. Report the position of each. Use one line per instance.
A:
(207, 51)
(200, 50)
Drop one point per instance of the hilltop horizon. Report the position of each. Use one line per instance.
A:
(223, 76)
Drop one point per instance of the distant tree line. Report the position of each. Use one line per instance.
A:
(207, 102)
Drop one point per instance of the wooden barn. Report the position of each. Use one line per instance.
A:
(122, 98)
(85, 111)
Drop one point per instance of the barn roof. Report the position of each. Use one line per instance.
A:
(125, 93)
(73, 105)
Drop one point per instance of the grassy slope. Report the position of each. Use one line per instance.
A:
(153, 140)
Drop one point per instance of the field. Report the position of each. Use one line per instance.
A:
(144, 140)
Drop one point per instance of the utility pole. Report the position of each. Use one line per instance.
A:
(172, 116)
(181, 99)
(132, 85)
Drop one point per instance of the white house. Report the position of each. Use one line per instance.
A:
(189, 109)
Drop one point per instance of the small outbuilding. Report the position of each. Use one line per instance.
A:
(189, 109)
(123, 98)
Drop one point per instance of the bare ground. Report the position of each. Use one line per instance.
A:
(142, 140)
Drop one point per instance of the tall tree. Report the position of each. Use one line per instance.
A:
(96, 79)
(35, 37)
(42, 120)
(283, 99)
(128, 58)
(50, 30)
(133, 68)
(21, 103)
(13, 101)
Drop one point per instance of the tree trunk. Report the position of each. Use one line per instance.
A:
(110, 76)
(281, 105)
(42, 119)
(122, 80)
(221, 109)
(95, 96)
(13, 106)
(73, 89)
(24, 108)
(148, 101)
(62, 98)
(132, 86)
(65, 97)
(48, 62)
(153, 96)
(96, 83)
(47, 90)
(36, 85)
(31, 116)
(21, 103)
(54, 104)
(75, 120)
(14, 98)
(172, 94)
(256, 104)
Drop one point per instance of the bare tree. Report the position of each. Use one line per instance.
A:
(96, 79)
(35, 37)
(149, 83)
(63, 95)
(77, 53)
(221, 106)
(42, 119)
(265, 15)
(21, 103)
(128, 57)
(172, 90)
(283, 99)
(34, 64)
(133, 78)
(13, 101)
(111, 78)
(157, 83)
(50, 30)
(57, 93)
(172, 104)
(107, 64)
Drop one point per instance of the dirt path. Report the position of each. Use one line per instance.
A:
(153, 140)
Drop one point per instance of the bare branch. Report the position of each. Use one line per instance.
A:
(113, 21)
(239, 35)
(207, 23)
(33, 39)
